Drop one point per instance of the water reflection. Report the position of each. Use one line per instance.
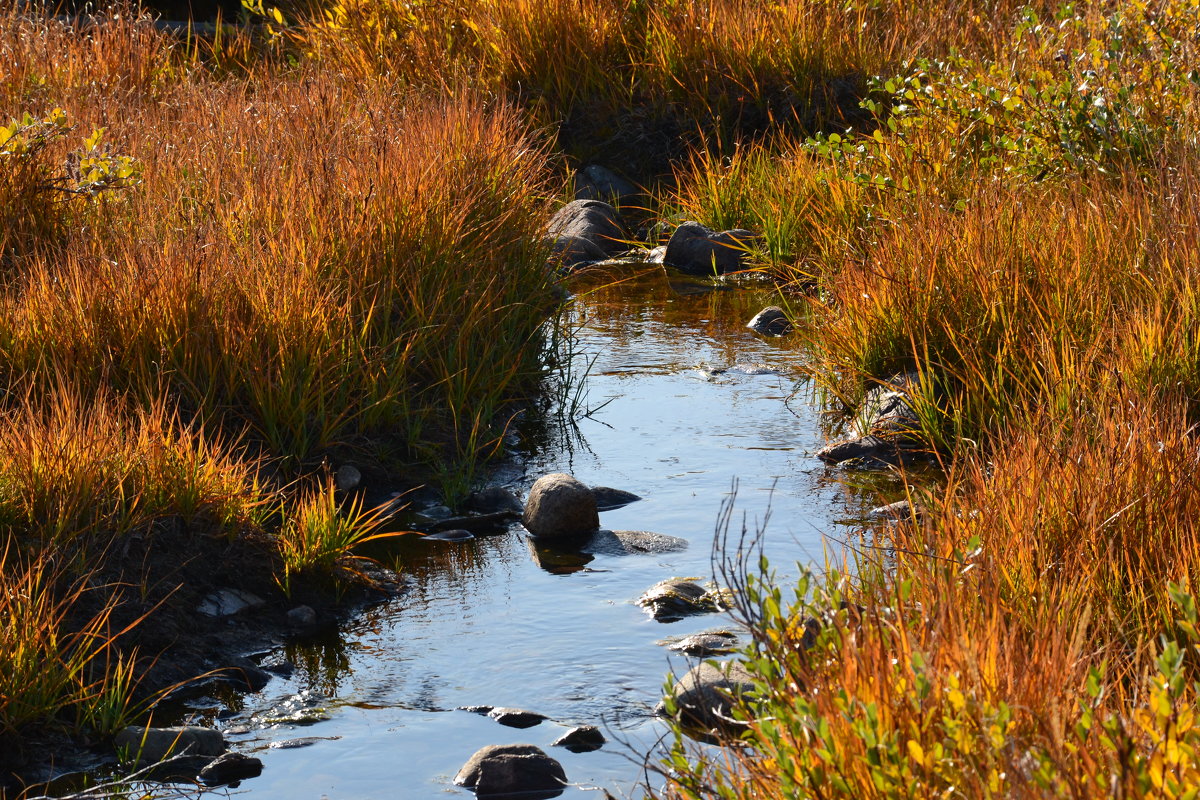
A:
(504, 621)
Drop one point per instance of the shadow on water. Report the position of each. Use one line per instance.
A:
(373, 709)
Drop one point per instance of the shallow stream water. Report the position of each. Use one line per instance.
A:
(373, 711)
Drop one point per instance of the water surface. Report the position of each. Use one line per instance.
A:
(484, 623)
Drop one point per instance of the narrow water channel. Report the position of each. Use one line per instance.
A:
(372, 712)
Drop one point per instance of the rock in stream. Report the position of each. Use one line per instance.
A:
(676, 598)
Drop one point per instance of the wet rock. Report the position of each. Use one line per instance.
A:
(516, 718)
(900, 511)
(583, 739)
(676, 598)
(230, 768)
(608, 498)
(583, 231)
(771, 321)
(452, 535)
(492, 500)
(436, 513)
(485, 710)
(887, 410)
(517, 770)
(279, 666)
(702, 645)
(347, 477)
(302, 617)
(299, 742)
(560, 507)
(704, 696)
(242, 677)
(626, 543)
(870, 449)
(595, 182)
(698, 250)
(657, 255)
(887, 428)
(745, 369)
(144, 746)
(228, 602)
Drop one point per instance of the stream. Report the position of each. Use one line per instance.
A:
(373, 711)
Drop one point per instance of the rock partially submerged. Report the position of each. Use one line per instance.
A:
(743, 369)
(516, 717)
(144, 746)
(771, 321)
(583, 739)
(560, 507)
(584, 231)
(493, 500)
(452, 535)
(627, 543)
(708, 643)
(676, 598)
(899, 511)
(512, 770)
(887, 428)
(230, 768)
(705, 695)
(608, 498)
(697, 250)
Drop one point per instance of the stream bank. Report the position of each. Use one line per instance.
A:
(492, 621)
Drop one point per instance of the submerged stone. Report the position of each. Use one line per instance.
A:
(516, 770)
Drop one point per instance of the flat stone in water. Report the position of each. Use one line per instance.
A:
(302, 741)
(608, 498)
(229, 769)
(676, 598)
(516, 717)
(745, 369)
(625, 543)
(711, 643)
(453, 535)
(583, 739)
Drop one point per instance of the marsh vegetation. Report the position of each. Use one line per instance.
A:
(231, 263)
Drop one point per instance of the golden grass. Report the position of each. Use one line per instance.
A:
(330, 247)
(247, 275)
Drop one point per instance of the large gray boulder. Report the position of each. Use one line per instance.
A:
(512, 770)
(698, 250)
(705, 695)
(584, 231)
(560, 507)
(150, 745)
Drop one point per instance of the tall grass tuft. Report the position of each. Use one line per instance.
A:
(57, 670)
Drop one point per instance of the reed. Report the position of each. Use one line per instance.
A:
(221, 276)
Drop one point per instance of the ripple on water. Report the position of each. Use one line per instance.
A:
(487, 622)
